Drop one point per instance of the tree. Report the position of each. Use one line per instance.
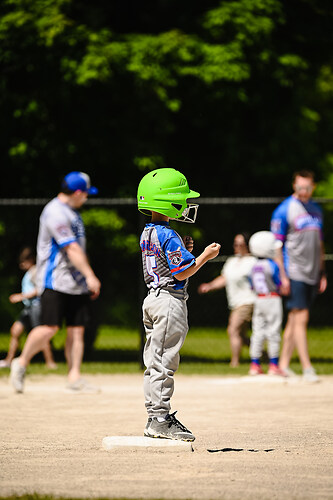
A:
(236, 94)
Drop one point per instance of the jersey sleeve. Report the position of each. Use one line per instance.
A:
(177, 256)
(321, 221)
(275, 273)
(279, 222)
(60, 229)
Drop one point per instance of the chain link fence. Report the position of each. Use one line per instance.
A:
(119, 266)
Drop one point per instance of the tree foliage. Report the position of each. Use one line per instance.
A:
(237, 94)
(243, 87)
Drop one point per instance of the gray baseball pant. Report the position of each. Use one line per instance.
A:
(166, 326)
(266, 325)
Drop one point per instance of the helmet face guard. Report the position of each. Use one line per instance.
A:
(166, 191)
(189, 214)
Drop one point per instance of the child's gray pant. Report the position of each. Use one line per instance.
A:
(166, 326)
(266, 325)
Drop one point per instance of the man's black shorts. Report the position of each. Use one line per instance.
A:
(58, 306)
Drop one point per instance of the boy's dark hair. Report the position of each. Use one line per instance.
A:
(27, 253)
(307, 174)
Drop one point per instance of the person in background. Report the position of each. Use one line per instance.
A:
(267, 312)
(298, 223)
(235, 278)
(29, 317)
(66, 281)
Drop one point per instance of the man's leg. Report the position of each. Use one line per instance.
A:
(301, 319)
(35, 342)
(74, 350)
(48, 356)
(76, 317)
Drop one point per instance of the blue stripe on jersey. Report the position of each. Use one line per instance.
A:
(67, 242)
(275, 272)
(51, 264)
(285, 259)
(279, 221)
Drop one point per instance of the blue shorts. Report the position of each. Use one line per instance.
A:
(30, 316)
(301, 295)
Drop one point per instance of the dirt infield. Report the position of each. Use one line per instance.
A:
(267, 440)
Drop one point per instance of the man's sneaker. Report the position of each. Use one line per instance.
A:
(4, 364)
(275, 370)
(309, 375)
(81, 386)
(288, 372)
(145, 432)
(17, 374)
(255, 369)
(170, 428)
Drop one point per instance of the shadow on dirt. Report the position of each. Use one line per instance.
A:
(224, 450)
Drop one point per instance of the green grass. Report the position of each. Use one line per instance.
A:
(206, 351)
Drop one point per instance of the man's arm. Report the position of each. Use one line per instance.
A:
(285, 282)
(209, 253)
(80, 261)
(323, 277)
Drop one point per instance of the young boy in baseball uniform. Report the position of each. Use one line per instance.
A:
(267, 312)
(167, 265)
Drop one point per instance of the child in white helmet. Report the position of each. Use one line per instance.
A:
(268, 312)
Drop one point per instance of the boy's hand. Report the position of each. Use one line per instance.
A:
(15, 298)
(212, 250)
(189, 243)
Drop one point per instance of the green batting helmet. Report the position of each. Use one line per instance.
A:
(166, 191)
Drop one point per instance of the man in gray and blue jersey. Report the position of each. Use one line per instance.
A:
(298, 223)
(60, 226)
(65, 280)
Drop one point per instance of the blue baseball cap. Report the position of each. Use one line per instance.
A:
(78, 180)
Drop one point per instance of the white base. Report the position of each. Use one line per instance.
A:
(111, 443)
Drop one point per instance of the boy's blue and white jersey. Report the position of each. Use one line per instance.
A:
(300, 227)
(265, 277)
(59, 226)
(163, 256)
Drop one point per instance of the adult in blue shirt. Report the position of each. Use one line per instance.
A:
(65, 280)
(298, 223)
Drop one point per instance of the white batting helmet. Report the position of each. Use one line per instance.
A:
(263, 244)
